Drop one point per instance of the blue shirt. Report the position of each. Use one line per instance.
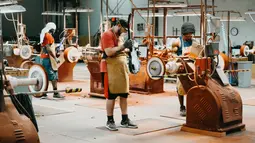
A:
(183, 45)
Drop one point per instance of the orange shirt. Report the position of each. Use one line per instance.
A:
(108, 40)
(48, 39)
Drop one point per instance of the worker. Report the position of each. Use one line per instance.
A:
(116, 78)
(183, 44)
(48, 56)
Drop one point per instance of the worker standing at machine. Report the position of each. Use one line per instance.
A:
(183, 44)
(48, 56)
(116, 78)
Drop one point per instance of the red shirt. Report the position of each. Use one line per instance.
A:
(108, 40)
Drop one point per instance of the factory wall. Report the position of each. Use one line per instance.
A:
(34, 20)
(246, 30)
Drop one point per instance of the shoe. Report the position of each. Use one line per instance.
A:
(110, 125)
(183, 111)
(44, 96)
(57, 95)
(128, 124)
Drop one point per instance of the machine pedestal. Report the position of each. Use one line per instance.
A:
(96, 88)
(142, 84)
(65, 72)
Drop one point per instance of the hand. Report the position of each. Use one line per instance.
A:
(128, 44)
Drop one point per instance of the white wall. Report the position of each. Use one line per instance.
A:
(246, 29)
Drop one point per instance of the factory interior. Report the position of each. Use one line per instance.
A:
(120, 71)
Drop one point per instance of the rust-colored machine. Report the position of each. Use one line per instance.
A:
(213, 105)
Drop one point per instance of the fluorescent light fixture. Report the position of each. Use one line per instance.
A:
(117, 16)
(54, 13)
(7, 2)
(232, 19)
(167, 4)
(250, 12)
(189, 14)
(12, 9)
(80, 10)
(156, 15)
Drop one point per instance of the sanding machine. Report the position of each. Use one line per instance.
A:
(213, 105)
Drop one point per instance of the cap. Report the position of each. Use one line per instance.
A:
(188, 28)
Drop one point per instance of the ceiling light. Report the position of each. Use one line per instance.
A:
(7, 2)
(189, 14)
(156, 15)
(78, 10)
(12, 9)
(250, 12)
(117, 16)
(55, 13)
(169, 5)
(232, 19)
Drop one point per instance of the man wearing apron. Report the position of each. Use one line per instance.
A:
(116, 78)
(47, 52)
(183, 43)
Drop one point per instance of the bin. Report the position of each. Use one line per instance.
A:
(244, 78)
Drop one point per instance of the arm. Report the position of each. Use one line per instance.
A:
(114, 50)
(109, 49)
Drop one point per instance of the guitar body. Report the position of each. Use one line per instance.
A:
(134, 63)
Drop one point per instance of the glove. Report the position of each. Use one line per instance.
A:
(128, 44)
(57, 60)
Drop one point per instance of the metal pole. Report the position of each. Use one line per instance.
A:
(165, 27)
(153, 30)
(107, 7)
(64, 24)
(213, 7)
(201, 24)
(205, 22)
(229, 48)
(32, 93)
(2, 103)
(133, 24)
(71, 90)
(89, 28)
(101, 18)
(76, 23)
(64, 18)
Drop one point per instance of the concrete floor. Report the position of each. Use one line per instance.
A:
(78, 118)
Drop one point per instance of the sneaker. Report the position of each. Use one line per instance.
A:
(57, 95)
(110, 125)
(128, 124)
(44, 96)
(183, 111)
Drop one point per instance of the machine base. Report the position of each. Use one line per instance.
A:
(240, 127)
(65, 72)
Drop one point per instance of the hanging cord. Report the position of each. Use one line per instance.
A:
(252, 18)
(186, 69)
(224, 35)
